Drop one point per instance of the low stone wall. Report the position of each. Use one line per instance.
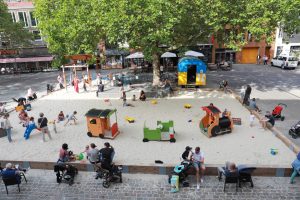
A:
(211, 170)
(293, 147)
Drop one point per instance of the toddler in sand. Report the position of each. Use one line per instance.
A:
(252, 117)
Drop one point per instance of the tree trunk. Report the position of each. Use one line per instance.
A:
(156, 66)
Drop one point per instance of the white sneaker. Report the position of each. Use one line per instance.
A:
(198, 186)
(201, 180)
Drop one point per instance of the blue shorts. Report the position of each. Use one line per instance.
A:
(198, 165)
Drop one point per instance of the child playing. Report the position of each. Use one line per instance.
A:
(252, 117)
(71, 117)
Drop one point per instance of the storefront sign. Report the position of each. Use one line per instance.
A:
(8, 52)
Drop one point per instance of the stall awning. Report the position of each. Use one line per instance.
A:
(25, 60)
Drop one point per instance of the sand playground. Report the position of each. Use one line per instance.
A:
(244, 145)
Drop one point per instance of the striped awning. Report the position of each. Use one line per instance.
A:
(25, 60)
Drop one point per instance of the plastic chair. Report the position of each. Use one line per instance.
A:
(245, 174)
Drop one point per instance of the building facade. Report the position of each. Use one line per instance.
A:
(248, 54)
(287, 44)
(30, 59)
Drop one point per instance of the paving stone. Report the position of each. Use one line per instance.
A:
(42, 186)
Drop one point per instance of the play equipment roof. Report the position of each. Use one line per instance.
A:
(211, 109)
(100, 113)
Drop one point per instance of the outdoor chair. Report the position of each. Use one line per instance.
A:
(245, 174)
(13, 181)
(230, 177)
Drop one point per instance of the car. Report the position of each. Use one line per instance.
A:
(285, 62)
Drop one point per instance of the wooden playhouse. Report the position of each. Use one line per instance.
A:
(212, 125)
(100, 123)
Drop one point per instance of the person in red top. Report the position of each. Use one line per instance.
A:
(76, 82)
(64, 154)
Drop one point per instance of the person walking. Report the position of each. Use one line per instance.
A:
(265, 59)
(7, 127)
(258, 59)
(60, 81)
(124, 98)
(43, 126)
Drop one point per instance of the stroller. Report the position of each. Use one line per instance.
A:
(65, 172)
(295, 130)
(115, 176)
(276, 113)
(181, 171)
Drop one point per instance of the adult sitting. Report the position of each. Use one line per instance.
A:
(226, 113)
(61, 116)
(93, 154)
(230, 169)
(296, 168)
(198, 161)
(142, 96)
(11, 172)
(107, 154)
(65, 155)
(268, 121)
(31, 95)
(253, 106)
(186, 153)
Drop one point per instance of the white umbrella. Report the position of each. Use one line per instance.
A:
(168, 55)
(136, 55)
(193, 53)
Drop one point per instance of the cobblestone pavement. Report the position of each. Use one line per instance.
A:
(42, 185)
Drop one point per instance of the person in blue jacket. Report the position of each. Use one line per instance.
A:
(296, 168)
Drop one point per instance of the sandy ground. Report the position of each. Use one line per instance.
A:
(244, 145)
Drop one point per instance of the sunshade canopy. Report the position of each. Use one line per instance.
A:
(193, 53)
(136, 55)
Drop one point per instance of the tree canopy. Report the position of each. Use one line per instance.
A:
(13, 34)
(71, 26)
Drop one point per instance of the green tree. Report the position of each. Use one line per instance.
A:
(69, 26)
(72, 26)
(13, 34)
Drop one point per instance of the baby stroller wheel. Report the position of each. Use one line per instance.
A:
(282, 118)
(106, 184)
(169, 179)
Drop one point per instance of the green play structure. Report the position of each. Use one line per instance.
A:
(163, 132)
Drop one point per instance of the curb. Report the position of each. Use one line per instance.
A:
(211, 170)
(293, 147)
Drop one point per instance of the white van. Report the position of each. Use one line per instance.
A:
(285, 62)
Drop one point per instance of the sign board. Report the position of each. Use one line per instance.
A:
(8, 52)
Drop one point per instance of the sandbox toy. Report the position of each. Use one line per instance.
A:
(212, 125)
(100, 124)
(163, 132)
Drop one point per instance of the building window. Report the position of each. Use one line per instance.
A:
(279, 50)
(23, 18)
(13, 17)
(33, 19)
(37, 35)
